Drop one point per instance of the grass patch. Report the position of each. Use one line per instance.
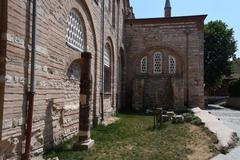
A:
(133, 138)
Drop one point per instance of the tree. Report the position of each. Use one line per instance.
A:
(219, 50)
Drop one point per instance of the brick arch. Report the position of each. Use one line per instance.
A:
(165, 51)
(85, 11)
(71, 59)
(83, 25)
(109, 43)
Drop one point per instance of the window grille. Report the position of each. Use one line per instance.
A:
(172, 65)
(75, 31)
(144, 65)
(157, 63)
(107, 70)
(107, 57)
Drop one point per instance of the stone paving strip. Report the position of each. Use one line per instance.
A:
(230, 118)
(227, 137)
(233, 155)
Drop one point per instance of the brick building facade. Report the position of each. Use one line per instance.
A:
(134, 62)
(172, 48)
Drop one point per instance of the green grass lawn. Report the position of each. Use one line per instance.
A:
(133, 138)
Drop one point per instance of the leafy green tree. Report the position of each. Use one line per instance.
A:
(219, 50)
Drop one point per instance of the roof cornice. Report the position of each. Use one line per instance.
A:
(193, 18)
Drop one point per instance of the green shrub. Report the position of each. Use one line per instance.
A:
(196, 121)
(188, 117)
(234, 88)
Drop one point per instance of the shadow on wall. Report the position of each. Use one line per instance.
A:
(48, 129)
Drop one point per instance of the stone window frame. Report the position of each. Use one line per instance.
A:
(172, 67)
(157, 63)
(75, 36)
(144, 65)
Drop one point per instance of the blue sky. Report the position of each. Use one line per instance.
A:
(225, 10)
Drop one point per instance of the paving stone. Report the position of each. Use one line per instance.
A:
(230, 118)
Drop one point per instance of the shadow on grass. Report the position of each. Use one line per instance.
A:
(132, 112)
(162, 127)
(66, 146)
(132, 137)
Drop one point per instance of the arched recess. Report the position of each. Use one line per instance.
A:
(166, 52)
(156, 87)
(84, 10)
(79, 92)
(109, 72)
(72, 85)
(88, 14)
(76, 36)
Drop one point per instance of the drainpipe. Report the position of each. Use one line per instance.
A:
(32, 86)
(102, 67)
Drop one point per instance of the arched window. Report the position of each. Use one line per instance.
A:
(107, 69)
(172, 65)
(157, 60)
(73, 72)
(75, 31)
(107, 57)
(144, 65)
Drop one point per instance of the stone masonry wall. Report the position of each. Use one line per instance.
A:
(56, 108)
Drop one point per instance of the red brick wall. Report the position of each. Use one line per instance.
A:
(168, 35)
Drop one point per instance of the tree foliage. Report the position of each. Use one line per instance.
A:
(219, 50)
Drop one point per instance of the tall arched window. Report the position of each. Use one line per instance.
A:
(107, 69)
(144, 65)
(75, 31)
(172, 65)
(157, 60)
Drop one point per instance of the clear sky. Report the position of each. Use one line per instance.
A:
(226, 10)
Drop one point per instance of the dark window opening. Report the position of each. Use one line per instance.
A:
(107, 80)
